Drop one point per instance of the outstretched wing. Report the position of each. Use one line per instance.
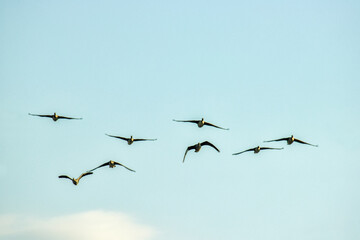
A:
(38, 115)
(251, 149)
(212, 125)
(64, 176)
(191, 121)
(102, 165)
(142, 139)
(124, 166)
(63, 117)
(85, 174)
(123, 138)
(209, 144)
(189, 148)
(262, 148)
(276, 140)
(299, 141)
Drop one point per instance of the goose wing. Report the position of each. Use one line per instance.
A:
(262, 148)
(212, 125)
(84, 174)
(123, 138)
(189, 148)
(142, 139)
(251, 149)
(299, 141)
(209, 144)
(124, 166)
(102, 165)
(276, 140)
(191, 121)
(39, 115)
(64, 176)
(63, 117)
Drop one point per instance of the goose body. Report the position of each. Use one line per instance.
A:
(291, 140)
(257, 149)
(54, 116)
(198, 146)
(76, 181)
(201, 123)
(131, 139)
(111, 164)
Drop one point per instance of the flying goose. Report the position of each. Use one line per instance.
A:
(290, 140)
(54, 117)
(76, 181)
(131, 139)
(257, 149)
(200, 123)
(111, 164)
(198, 146)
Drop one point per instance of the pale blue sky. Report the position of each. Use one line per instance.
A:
(265, 70)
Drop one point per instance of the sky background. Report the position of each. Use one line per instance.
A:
(265, 70)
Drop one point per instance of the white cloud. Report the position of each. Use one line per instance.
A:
(86, 225)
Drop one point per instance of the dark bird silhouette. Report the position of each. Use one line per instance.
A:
(76, 180)
(198, 146)
(131, 139)
(200, 123)
(54, 117)
(257, 149)
(290, 140)
(111, 164)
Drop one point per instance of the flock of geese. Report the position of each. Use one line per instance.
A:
(200, 123)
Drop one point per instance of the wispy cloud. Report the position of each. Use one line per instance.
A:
(86, 225)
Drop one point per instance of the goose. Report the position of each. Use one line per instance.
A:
(76, 181)
(54, 117)
(200, 123)
(198, 146)
(290, 140)
(131, 139)
(257, 149)
(111, 164)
